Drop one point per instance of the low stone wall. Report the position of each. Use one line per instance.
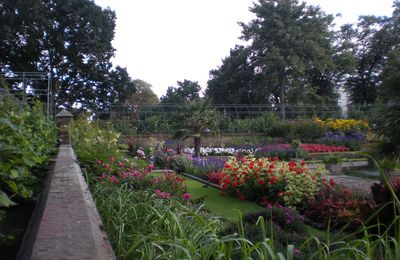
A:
(68, 224)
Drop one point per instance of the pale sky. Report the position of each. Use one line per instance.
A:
(165, 41)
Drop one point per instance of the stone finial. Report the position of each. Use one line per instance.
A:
(64, 119)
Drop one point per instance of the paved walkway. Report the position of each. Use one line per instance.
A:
(355, 184)
(70, 225)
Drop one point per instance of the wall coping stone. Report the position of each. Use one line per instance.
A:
(70, 226)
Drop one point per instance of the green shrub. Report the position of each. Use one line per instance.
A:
(27, 139)
(306, 130)
(93, 140)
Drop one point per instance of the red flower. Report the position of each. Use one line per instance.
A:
(272, 180)
(227, 166)
(234, 184)
(292, 164)
(261, 181)
(332, 182)
(242, 197)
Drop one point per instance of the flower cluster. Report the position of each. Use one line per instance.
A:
(321, 148)
(209, 164)
(221, 151)
(283, 151)
(118, 172)
(168, 158)
(269, 181)
(344, 125)
(286, 151)
(352, 140)
(141, 153)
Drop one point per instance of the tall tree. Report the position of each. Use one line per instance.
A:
(186, 91)
(144, 94)
(235, 82)
(376, 38)
(290, 43)
(70, 40)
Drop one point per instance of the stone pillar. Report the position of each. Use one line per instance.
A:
(64, 120)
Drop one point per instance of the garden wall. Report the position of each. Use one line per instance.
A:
(68, 224)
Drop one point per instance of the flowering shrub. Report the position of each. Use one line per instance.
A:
(168, 158)
(344, 125)
(118, 172)
(214, 177)
(270, 181)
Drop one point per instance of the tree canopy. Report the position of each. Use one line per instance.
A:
(376, 39)
(70, 40)
(289, 56)
(186, 91)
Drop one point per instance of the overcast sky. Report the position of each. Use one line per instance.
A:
(165, 41)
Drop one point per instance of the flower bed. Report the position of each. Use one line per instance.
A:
(343, 125)
(284, 151)
(270, 181)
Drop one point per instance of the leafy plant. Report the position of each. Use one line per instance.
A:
(332, 159)
(335, 206)
(93, 140)
(27, 139)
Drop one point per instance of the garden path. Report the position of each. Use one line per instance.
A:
(355, 184)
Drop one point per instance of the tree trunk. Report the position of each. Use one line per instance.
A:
(197, 146)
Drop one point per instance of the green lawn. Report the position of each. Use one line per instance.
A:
(219, 205)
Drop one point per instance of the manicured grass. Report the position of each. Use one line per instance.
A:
(220, 205)
(223, 206)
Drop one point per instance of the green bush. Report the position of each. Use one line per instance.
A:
(306, 130)
(27, 139)
(93, 141)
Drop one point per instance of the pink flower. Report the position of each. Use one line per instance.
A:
(114, 179)
(98, 162)
(156, 180)
(186, 196)
(162, 194)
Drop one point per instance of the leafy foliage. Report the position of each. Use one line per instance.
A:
(193, 120)
(290, 58)
(376, 38)
(187, 91)
(71, 40)
(93, 141)
(27, 139)
(335, 206)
